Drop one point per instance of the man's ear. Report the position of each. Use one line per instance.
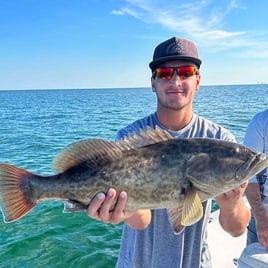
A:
(198, 80)
(153, 83)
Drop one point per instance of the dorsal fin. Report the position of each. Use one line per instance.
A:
(91, 150)
(94, 150)
(144, 137)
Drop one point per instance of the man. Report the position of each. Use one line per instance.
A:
(256, 137)
(148, 239)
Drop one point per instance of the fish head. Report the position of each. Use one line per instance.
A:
(253, 163)
(222, 166)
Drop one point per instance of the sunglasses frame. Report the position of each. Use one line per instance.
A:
(182, 75)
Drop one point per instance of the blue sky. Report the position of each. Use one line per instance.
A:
(46, 44)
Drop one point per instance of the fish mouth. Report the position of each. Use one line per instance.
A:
(253, 166)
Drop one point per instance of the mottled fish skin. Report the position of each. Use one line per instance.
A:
(155, 170)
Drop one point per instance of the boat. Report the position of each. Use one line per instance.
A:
(224, 248)
(232, 252)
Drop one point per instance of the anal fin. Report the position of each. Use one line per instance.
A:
(73, 206)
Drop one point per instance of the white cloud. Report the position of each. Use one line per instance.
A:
(202, 21)
(191, 18)
(127, 11)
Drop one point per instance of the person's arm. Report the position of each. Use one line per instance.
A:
(234, 214)
(254, 198)
(255, 138)
(100, 209)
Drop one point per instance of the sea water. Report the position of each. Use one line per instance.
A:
(36, 124)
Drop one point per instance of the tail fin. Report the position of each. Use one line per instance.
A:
(14, 192)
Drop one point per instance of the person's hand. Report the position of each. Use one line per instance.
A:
(231, 197)
(101, 207)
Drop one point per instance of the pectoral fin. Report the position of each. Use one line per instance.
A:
(174, 215)
(188, 214)
(192, 209)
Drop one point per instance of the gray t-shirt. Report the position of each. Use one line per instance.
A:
(158, 246)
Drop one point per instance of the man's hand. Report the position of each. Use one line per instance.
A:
(100, 207)
(229, 198)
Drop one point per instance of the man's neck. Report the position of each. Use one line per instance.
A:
(174, 120)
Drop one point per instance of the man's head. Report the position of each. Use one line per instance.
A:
(175, 48)
(175, 75)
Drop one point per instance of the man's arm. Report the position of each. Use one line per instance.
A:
(234, 214)
(254, 198)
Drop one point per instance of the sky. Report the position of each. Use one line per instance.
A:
(52, 44)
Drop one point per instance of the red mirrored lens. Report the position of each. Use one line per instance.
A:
(182, 71)
(185, 71)
(164, 72)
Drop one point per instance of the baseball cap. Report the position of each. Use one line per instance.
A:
(175, 48)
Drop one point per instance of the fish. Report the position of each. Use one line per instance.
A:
(156, 170)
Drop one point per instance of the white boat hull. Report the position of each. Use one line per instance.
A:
(223, 247)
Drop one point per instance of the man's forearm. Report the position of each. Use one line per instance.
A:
(253, 195)
(234, 214)
(235, 220)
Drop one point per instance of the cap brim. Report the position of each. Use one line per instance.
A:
(153, 64)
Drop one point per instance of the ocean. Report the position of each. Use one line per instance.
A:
(37, 124)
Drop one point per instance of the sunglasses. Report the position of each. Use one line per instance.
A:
(183, 72)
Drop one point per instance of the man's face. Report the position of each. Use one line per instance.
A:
(177, 91)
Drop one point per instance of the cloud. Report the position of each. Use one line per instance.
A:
(193, 19)
(202, 21)
(127, 11)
